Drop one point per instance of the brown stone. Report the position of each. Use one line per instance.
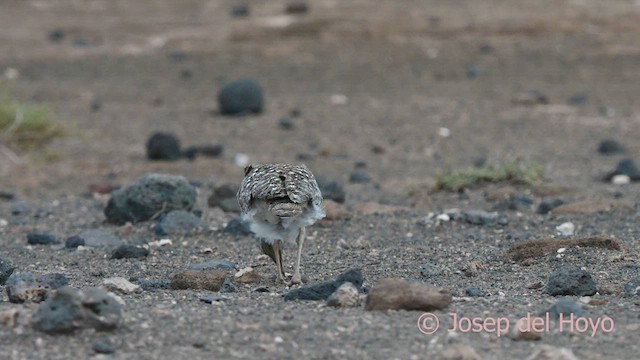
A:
(335, 210)
(398, 294)
(206, 280)
(535, 248)
(247, 275)
(371, 207)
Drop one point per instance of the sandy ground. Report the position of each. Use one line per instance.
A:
(404, 67)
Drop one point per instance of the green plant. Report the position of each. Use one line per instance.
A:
(27, 125)
(515, 172)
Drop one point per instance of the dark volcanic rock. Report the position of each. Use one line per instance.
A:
(547, 205)
(571, 281)
(213, 264)
(6, 269)
(297, 8)
(332, 191)
(625, 167)
(69, 309)
(180, 222)
(149, 196)
(128, 251)
(154, 284)
(224, 196)
(241, 97)
(36, 238)
(30, 287)
(239, 227)
(323, 290)
(610, 147)
(94, 239)
(359, 177)
(163, 146)
(19, 208)
(474, 292)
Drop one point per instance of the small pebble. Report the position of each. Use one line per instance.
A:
(566, 229)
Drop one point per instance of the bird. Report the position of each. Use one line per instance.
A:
(279, 201)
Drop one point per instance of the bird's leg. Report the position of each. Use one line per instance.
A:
(297, 278)
(278, 259)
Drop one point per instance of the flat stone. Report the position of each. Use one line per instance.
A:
(205, 280)
(103, 345)
(213, 264)
(398, 294)
(120, 285)
(212, 298)
(129, 251)
(98, 239)
(566, 307)
(180, 222)
(323, 290)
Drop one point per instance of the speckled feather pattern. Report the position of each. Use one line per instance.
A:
(275, 181)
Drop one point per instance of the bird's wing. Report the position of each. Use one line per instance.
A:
(268, 182)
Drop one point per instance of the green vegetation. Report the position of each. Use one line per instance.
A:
(515, 172)
(26, 125)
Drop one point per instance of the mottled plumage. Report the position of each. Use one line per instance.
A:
(279, 200)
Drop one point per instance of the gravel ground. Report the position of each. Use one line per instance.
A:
(364, 88)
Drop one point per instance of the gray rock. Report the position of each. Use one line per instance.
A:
(286, 123)
(238, 227)
(429, 270)
(103, 345)
(474, 292)
(6, 269)
(261, 288)
(68, 309)
(610, 147)
(149, 196)
(571, 281)
(241, 97)
(128, 251)
(230, 205)
(228, 287)
(73, 242)
(97, 239)
(631, 288)
(625, 167)
(31, 287)
(154, 284)
(180, 222)
(211, 298)
(213, 264)
(564, 306)
(36, 238)
(481, 217)
(323, 290)
(19, 208)
(359, 177)
(163, 146)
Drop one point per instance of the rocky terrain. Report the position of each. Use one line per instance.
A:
(478, 162)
